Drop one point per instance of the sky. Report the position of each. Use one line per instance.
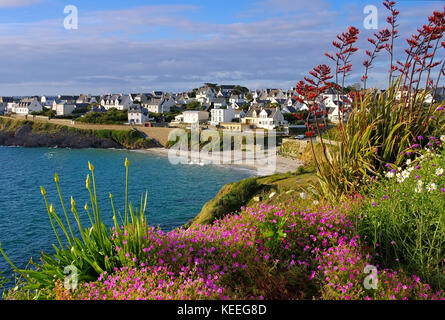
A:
(139, 46)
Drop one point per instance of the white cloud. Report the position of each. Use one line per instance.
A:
(158, 47)
(18, 3)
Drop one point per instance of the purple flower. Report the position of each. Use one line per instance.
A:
(415, 145)
(420, 138)
(442, 190)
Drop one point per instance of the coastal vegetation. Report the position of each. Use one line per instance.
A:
(43, 134)
(112, 116)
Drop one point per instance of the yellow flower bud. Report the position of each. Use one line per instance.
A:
(73, 204)
(111, 196)
(86, 207)
(87, 182)
(51, 208)
(56, 178)
(42, 190)
(127, 163)
(90, 166)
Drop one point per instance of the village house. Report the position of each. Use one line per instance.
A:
(205, 94)
(265, 118)
(236, 99)
(192, 117)
(221, 115)
(336, 104)
(239, 114)
(6, 104)
(86, 98)
(137, 114)
(64, 108)
(182, 98)
(219, 103)
(159, 105)
(27, 105)
(233, 126)
(226, 90)
(120, 102)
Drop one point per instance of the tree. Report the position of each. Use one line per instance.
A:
(237, 90)
(211, 85)
(193, 105)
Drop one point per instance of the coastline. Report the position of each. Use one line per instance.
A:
(281, 165)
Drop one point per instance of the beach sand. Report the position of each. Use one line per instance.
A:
(261, 165)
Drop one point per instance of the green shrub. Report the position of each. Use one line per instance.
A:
(112, 116)
(229, 200)
(95, 251)
(403, 218)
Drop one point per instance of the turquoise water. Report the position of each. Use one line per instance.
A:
(176, 193)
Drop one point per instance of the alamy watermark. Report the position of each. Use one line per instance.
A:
(371, 21)
(71, 21)
(371, 281)
(71, 280)
(255, 148)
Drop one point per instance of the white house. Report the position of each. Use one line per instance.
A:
(236, 99)
(206, 94)
(137, 114)
(219, 103)
(119, 102)
(183, 98)
(65, 108)
(5, 104)
(192, 117)
(239, 114)
(265, 118)
(28, 105)
(159, 105)
(221, 115)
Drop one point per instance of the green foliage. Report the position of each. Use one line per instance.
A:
(168, 116)
(273, 231)
(112, 116)
(127, 138)
(228, 200)
(45, 112)
(3, 281)
(131, 139)
(377, 131)
(193, 105)
(403, 219)
(91, 253)
(237, 90)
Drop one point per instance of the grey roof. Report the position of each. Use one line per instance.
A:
(270, 112)
(136, 108)
(219, 100)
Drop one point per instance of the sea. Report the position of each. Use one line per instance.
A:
(176, 193)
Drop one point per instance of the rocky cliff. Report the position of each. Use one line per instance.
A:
(37, 134)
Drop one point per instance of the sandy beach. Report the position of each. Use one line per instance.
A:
(261, 164)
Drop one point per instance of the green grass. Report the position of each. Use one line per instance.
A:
(246, 193)
(112, 116)
(130, 139)
(406, 227)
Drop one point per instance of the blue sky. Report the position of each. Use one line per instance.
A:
(139, 46)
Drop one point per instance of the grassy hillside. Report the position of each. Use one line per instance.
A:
(251, 191)
(25, 131)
